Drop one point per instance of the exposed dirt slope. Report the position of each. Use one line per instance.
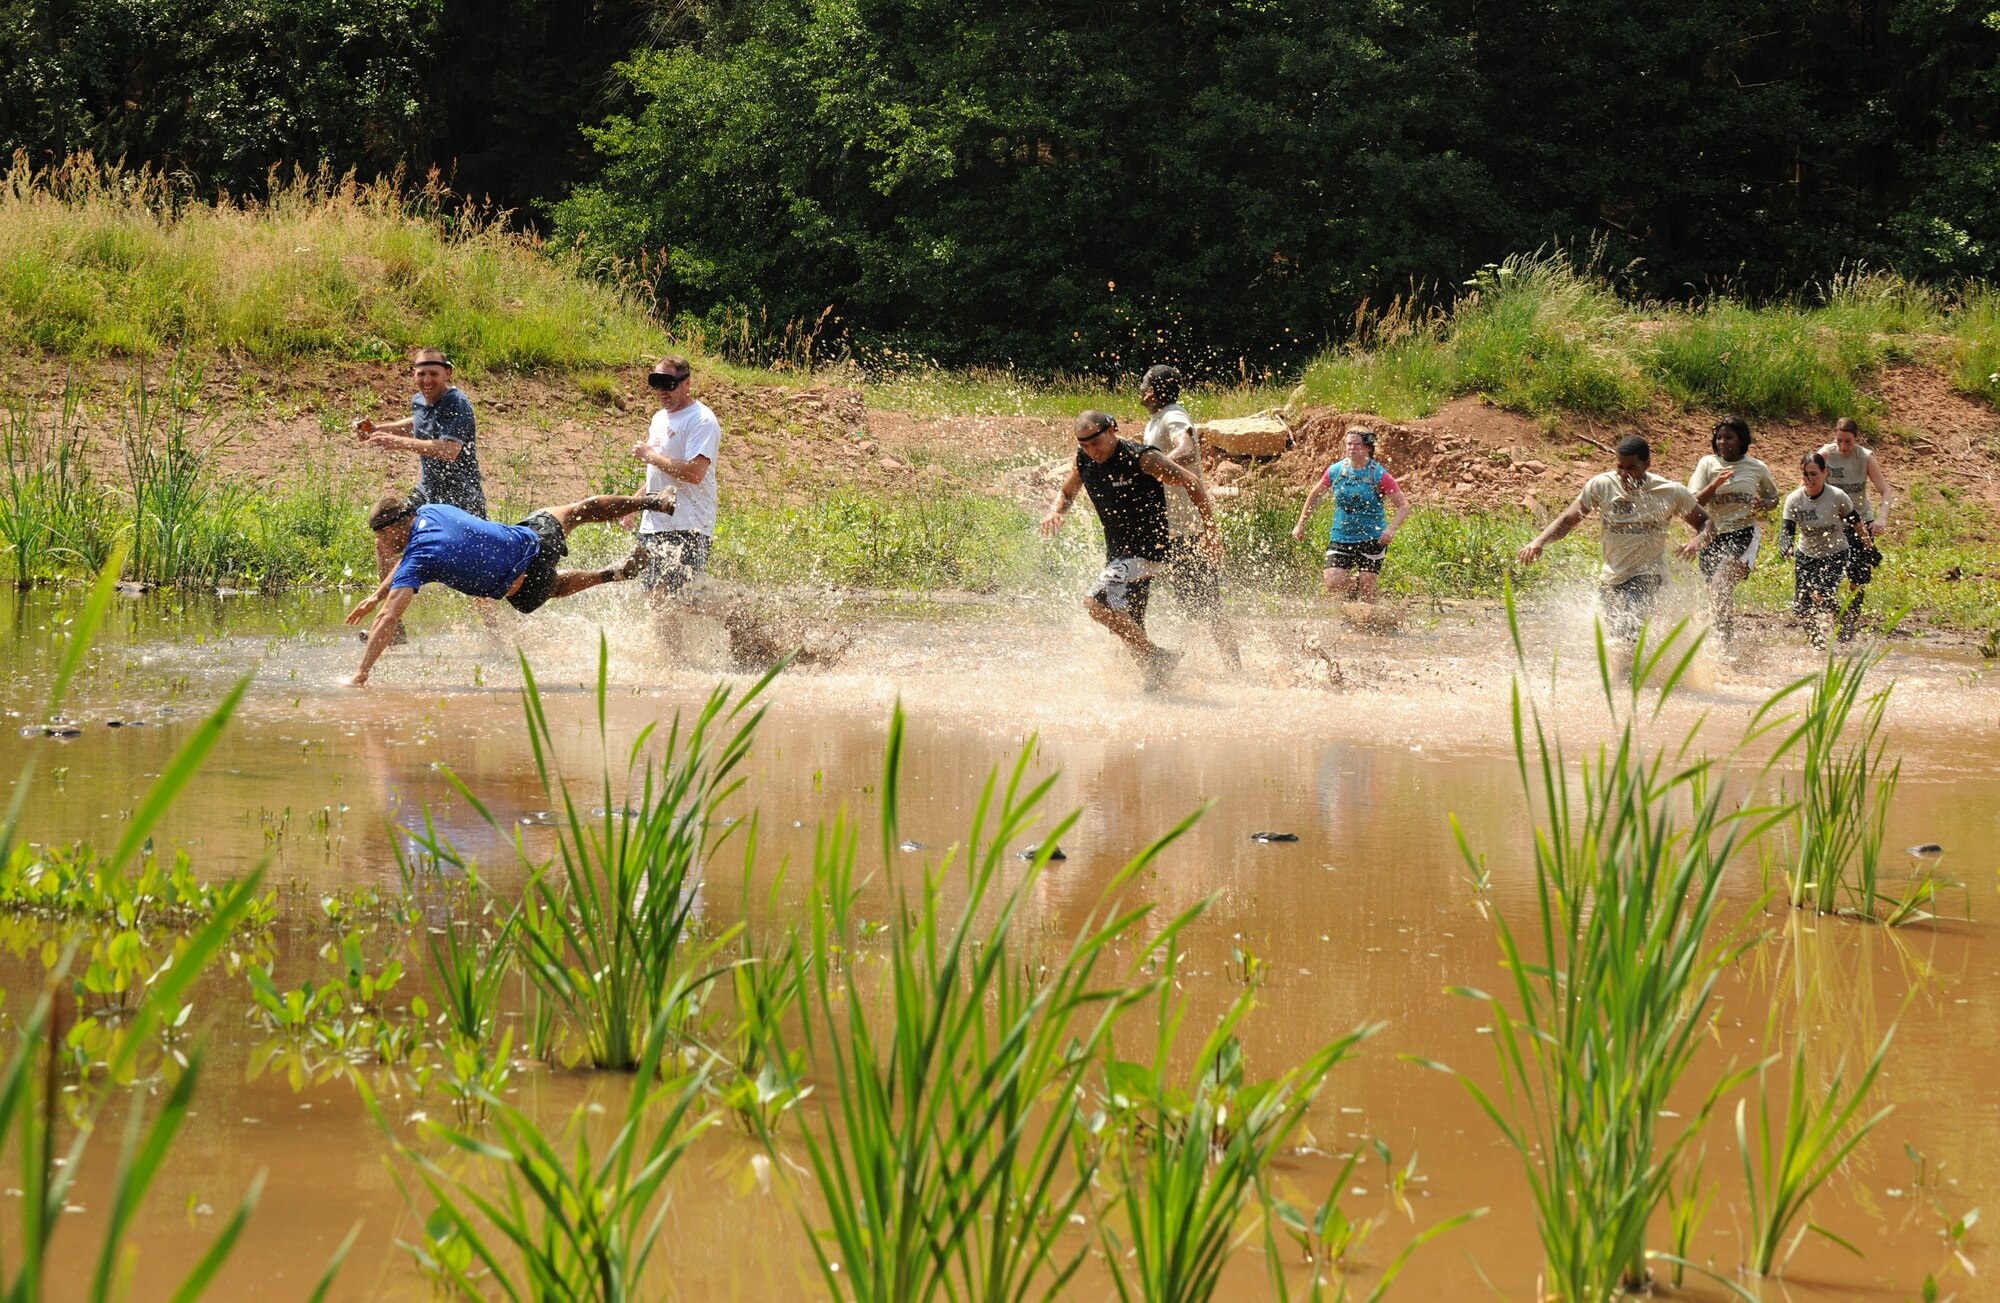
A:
(546, 441)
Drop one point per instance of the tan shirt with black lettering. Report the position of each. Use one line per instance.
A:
(1635, 522)
(1734, 505)
(1822, 521)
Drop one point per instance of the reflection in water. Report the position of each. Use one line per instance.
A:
(1367, 917)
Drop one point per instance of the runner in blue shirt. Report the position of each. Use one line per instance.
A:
(1362, 531)
(444, 545)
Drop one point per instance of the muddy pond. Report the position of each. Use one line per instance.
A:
(1369, 915)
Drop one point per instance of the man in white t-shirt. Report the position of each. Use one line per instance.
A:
(679, 451)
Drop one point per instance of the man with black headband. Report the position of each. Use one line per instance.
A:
(443, 433)
(679, 454)
(444, 545)
(1127, 485)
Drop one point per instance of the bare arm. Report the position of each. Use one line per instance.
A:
(1060, 507)
(1312, 500)
(1556, 530)
(1401, 502)
(1698, 519)
(692, 471)
(385, 628)
(365, 427)
(1155, 464)
(436, 449)
(1880, 483)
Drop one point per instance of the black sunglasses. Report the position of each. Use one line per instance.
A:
(659, 380)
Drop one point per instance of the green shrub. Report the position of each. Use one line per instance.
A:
(1975, 345)
(1773, 362)
(1540, 336)
(903, 541)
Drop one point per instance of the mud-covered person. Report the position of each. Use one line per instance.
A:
(1736, 489)
(1853, 469)
(1127, 484)
(516, 563)
(442, 430)
(679, 453)
(1193, 575)
(1637, 507)
(1819, 522)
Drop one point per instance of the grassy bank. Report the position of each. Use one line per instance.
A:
(1538, 335)
(97, 261)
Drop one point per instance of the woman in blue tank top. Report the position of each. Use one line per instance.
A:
(1359, 540)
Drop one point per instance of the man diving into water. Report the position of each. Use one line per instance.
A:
(444, 545)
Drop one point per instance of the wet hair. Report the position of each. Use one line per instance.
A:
(430, 357)
(1098, 421)
(1731, 424)
(1164, 381)
(1846, 425)
(1813, 459)
(1367, 435)
(1635, 445)
(390, 509)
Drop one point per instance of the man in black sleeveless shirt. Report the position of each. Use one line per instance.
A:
(1127, 483)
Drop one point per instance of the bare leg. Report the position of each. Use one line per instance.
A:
(1364, 583)
(607, 506)
(571, 582)
(1224, 632)
(1335, 582)
(1127, 630)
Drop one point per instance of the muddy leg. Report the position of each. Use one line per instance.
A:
(604, 507)
(1124, 627)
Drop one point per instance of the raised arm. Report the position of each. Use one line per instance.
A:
(1060, 507)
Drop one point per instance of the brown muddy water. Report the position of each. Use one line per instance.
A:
(1368, 916)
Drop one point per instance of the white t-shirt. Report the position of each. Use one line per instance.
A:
(1163, 431)
(1635, 522)
(685, 435)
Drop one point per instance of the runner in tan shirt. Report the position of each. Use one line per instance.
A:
(1637, 507)
(1853, 470)
(1819, 518)
(1736, 488)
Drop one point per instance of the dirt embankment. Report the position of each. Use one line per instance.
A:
(545, 440)
(1471, 454)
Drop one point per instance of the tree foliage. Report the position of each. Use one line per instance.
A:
(1084, 184)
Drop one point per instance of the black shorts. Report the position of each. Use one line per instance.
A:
(1126, 585)
(470, 506)
(1195, 580)
(1724, 548)
(1630, 604)
(539, 581)
(1357, 556)
(1816, 579)
(673, 559)
(1862, 558)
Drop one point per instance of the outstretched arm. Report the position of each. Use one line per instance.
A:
(1557, 530)
(1060, 507)
(1167, 472)
(435, 449)
(385, 628)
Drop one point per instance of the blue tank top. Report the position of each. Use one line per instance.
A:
(1358, 516)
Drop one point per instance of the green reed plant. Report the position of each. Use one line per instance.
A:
(954, 1061)
(183, 513)
(49, 508)
(1846, 786)
(1974, 352)
(1194, 1158)
(1611, 973)
(469, 942)
(1775, 361)
(615, 946)
(1539, 334)
(580, 1227)
(1783, 1167)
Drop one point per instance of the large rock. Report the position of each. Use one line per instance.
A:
(1262, 435)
